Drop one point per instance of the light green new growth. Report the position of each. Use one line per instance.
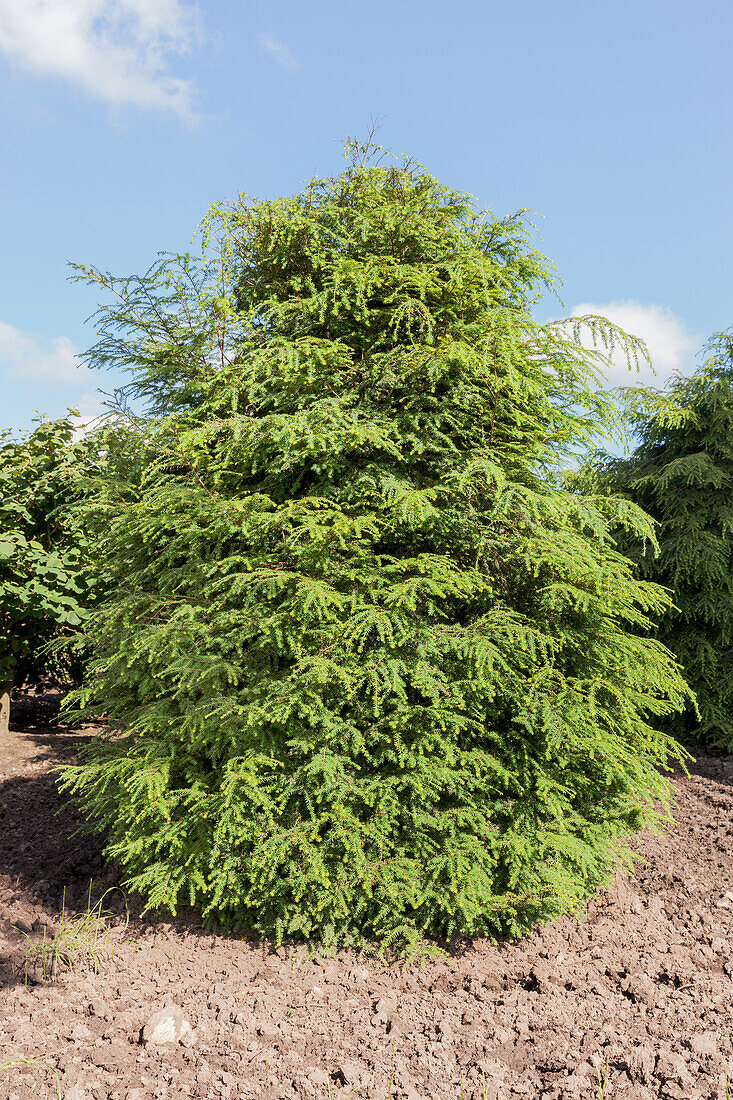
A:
(370, 672)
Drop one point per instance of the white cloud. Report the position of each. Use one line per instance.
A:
(117, 50)
(45, 373)
(86, 424)
(25, 356)
(279, 52)
(671, 345)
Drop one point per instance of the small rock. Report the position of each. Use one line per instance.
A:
(110, 1057)
(704, 1044)
(575, 1082)
(641, 1064)
(167, 1025)
(268, 1032)
(542, 978)
(205, 1072)
(493, 1070)
(99, 1008)
(76, 1092)
(79, 1033)
(350, 1073)
(673, 1067)
(642, 989)
(384, 1008)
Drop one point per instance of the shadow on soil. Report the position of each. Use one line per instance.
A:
(48, 867)
(44, 866)
(44, 861)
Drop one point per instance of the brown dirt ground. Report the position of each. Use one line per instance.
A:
(644, 984)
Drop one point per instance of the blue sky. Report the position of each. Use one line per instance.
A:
(121, 120)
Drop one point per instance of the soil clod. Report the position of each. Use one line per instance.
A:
(642, 987)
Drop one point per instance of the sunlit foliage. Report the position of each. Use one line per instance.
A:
(369, 670)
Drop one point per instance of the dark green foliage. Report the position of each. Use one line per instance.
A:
(369, 670)
(682, 474)
(44, 579)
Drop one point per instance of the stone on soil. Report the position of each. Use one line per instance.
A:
(704, 1044)
(632, 983)
(350, 1072)
(167, 1025)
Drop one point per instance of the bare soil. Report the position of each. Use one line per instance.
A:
(644, 985)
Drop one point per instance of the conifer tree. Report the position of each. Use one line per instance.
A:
(369, 671)
(44, 576)
(681, 474)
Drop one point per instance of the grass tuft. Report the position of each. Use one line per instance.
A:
(34, 1062)
(602, 1083)
(83, 939)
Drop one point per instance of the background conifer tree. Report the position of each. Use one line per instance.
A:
(369, 671)
(681, 473)
(45, 580)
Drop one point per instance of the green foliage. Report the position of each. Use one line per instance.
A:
(44, 580)
(369, 671)
(681, 473)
